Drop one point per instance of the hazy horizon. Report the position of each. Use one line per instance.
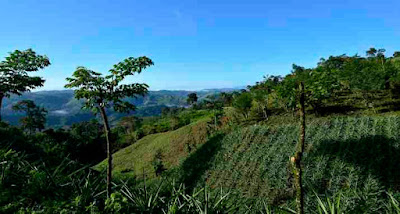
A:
(150, 89)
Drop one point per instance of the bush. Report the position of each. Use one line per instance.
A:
(243, 104)
(158, 163)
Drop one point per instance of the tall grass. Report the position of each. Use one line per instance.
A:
(393, 206)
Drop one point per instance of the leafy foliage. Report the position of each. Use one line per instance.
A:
(14, 78)
(157, 163)
(102, 92)
(35, 116)
(192, 98)
(14, 70)
(330, 78)
(243, 103)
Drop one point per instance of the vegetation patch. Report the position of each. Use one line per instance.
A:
(173, 145)
(343, 156)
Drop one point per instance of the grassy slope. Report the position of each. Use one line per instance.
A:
(358, 156)
(173, 145)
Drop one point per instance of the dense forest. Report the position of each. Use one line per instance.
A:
(229, 151)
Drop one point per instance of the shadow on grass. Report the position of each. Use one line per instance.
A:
(194, 167)
(375, 155)
(337, 109)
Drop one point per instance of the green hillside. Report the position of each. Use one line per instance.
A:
(173, 145)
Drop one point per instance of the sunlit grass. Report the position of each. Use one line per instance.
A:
(136, 159)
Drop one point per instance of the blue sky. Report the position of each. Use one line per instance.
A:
(195, 44)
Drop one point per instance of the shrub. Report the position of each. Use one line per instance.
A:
(157, 163)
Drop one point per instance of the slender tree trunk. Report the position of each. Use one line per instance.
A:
(1, 102)
(296, 160)
(215, 119)
(109, 150)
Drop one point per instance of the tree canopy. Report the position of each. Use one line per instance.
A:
(243, 103)
(14, 78)
(191, 98)
(99, 91)
(330, 76)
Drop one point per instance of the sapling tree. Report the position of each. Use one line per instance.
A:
(35, 118)
(14, 78)
(261, 101)
(216, 103)
(242, 103)
(103, 92)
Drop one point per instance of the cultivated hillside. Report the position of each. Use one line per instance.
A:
(355, 157)
(344, 156)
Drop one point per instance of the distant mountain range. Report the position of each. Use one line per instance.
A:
(64, 110)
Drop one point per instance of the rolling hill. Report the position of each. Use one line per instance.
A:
(174, 147)
(64, 109)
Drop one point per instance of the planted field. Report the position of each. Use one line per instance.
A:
(356, 158)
